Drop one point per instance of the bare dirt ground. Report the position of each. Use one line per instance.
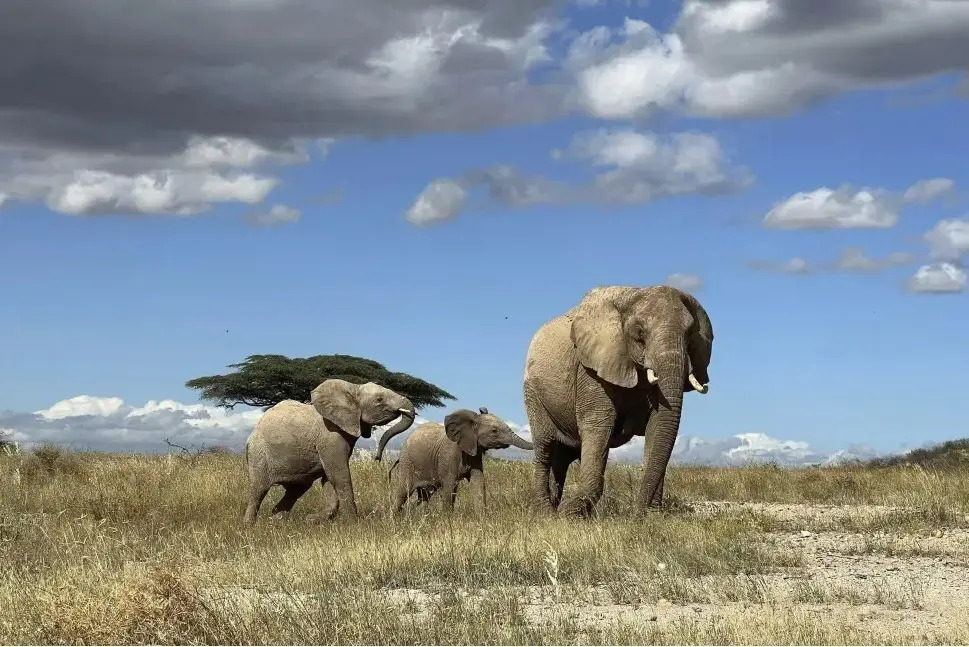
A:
(891, 585)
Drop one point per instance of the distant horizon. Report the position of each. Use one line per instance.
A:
(229, 429)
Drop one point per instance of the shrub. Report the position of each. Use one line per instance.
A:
(48, 460)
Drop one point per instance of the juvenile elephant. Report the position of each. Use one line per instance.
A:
(437, 457)
(613, 367)
(294, 443)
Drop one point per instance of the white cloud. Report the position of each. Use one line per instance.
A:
(685, 282)
(740, 450)
(207, 172)
(81, 405)
(925, 191)
(796, 265)
(165, 192)
(948, 240)
(854, 259)
(278, 214)
(107, 423)
(442, 199)
(841, 208)
(237, 152)
(732, 58)
(938, 278)
(643, 166)
(630, 167)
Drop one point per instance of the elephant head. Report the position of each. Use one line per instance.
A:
(357, 408)
(657, 334)
(481, 430)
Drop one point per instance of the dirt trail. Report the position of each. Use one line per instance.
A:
(891, 584)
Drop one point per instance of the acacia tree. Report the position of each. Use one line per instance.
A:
(265, 380)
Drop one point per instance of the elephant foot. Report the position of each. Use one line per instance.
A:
(578, 507)
(544, 508)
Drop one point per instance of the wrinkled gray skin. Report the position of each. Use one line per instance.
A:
(613, 367)
(438, 457)
(294, 443)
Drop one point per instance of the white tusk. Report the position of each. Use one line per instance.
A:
(651, 376)
(404, 411)
(700, 388)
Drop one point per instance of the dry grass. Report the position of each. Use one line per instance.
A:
(151, 549)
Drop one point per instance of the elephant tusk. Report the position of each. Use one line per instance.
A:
(651, 376)
(700, 388)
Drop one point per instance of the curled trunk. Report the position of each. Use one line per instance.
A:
(406, 420)
(664, 423)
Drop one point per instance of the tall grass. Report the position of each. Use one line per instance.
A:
(99, 548)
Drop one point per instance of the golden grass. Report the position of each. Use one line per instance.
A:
(99, 548)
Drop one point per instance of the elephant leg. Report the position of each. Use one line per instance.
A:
(657, 501)
(478, 484)
(449, 492)
(339, 476)
(331, 504)
(402, 492)
(561, 460)
(592, 468)
(293, 492)
(257, 492)
(400, 500)
(424, 494)
(544, 433)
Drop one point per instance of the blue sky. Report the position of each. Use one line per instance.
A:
(111, 295)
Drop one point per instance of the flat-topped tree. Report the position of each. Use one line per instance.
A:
(265, 380)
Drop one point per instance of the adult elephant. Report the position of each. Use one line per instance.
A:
(294, 443)
(613, 367)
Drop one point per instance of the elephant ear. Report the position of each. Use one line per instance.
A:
(700, 341)
(336, 400)
(599, 340)
(460, 427)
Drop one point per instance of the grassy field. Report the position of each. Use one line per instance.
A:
(99, 548)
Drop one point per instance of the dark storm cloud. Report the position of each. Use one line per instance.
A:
(96, 74)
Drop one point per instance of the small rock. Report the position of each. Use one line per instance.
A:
(661, 566)
(806, 533)
(937, 534)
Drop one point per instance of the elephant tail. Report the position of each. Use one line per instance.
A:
(390, 472)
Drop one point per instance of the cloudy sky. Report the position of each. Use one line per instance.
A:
(425, 182)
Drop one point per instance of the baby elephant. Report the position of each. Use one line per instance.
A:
(437, 457)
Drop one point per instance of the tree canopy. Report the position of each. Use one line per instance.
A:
(265, 380)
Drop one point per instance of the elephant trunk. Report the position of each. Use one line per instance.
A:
(517, 441)
(407, 416)
(664, 421)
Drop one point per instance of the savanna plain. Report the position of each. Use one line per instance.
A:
(111, 548)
